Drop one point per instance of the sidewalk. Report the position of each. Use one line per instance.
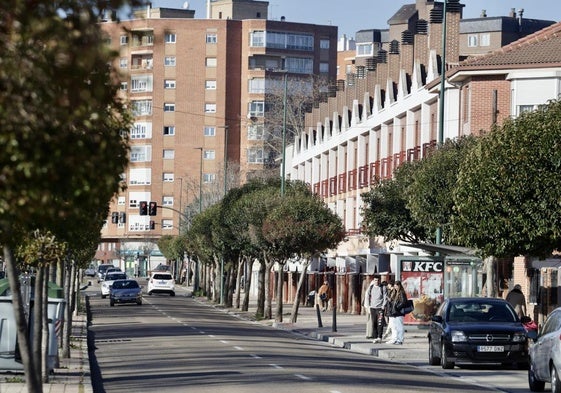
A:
(342, 330)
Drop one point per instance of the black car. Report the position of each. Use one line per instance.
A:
(477, 330)
(125, 291)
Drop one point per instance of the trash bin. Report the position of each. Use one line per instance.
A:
(8, 336)
(311, 299)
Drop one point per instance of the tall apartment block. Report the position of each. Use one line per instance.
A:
(197, 88)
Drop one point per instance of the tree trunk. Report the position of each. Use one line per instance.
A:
(37, 331)
(45, 323)
(268, 295)
(32, 380)
(248, 273)
(280, 284)
(261, 290)
(66, 330)
(490, 263)
(296, 302)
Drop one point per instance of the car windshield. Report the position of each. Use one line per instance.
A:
(125, 284)
(162, 276)
(118, 276)
(480, 312)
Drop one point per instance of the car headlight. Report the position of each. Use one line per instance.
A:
(458, 336)
(519, 337)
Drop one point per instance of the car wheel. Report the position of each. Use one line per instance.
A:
(172, 294)
(150, 293)
(555, 382)
(103, 296)
(433, 360)
(112, 303)
(139, 302)
(534, 384)
(446, 364)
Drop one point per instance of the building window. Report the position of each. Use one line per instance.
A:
(472, 40)
(142, 107)
(140, 83)
(255, 156)
(209, 178)
(140, 176)
(169, 84)
(210, 108)
(168, 107)
(208, 154)
(257, 108)
(167, 224)
(257, 39)
(255, 132)
(121, 201)
(210, 131)
(169, 61)
(170, 38)
(210, 85)
(123, 62)
(124, 86)
(169, 130)
(211, 38)
(324, 44)
(141, 130)
(364, 49)
(257, 85)
(291, 41)
(169, 154)
(167, 201)
(140, 154)
(210, 61)
(324, 67)
(168, 177)
(299, 65)
(124, 40)
(485, 39)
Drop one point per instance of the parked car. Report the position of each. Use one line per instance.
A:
(161, 282)
(477, 330)
(125, 291)
(110, 277)
(90, 271)
(545, 355)
(101, 270)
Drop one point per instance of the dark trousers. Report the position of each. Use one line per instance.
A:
(378, 322)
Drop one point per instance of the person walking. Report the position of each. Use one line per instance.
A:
(389, 293)
(324, 294)
(398, 301)
(517, 299)
(375, 301)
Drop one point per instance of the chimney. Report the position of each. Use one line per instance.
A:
(483, 14)
(512, 13)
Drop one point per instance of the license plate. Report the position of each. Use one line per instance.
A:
(490, 348)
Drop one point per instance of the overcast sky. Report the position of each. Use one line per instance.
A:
(353, 15)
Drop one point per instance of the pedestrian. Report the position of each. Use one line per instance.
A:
(398, 301)
(516, 298)
(324, 294)
(389, 292)
(375, 301)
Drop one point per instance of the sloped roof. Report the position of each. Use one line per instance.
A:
(540, 48)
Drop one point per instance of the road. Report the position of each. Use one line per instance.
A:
(176, 344)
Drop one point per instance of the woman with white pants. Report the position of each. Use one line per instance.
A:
(398, 300)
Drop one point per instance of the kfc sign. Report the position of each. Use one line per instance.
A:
(422, 266)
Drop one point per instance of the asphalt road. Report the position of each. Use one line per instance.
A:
(176, 344)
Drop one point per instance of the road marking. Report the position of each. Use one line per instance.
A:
(256, 356)
(303, 377)
(224, 341)
(276, 366)
(238, 348)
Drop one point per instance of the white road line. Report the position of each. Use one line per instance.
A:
(302, 377)
(238, 348)
(276, 366)
(256, 356)
(224, 341)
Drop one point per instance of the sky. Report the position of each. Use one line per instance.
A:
(354, 15)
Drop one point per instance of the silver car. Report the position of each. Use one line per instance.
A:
(545, 355)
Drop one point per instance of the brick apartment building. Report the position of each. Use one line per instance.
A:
(198, 92)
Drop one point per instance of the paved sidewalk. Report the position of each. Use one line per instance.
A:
(341, 329)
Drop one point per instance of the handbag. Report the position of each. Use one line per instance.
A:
(323, 296)
(409, 306)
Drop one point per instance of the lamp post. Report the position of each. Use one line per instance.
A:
(200, 180)
(440, 140)
(225, 191)
(283, 170)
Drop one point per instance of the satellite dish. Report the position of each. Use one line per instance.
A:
(186, 5)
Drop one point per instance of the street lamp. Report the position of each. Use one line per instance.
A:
(283, 171)
(225, 191)
(200, 180)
